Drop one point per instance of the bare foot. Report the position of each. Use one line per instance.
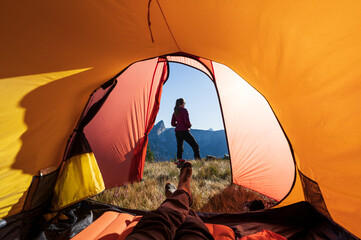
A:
(169, 189)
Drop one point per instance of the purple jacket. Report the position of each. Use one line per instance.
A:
(181, 122)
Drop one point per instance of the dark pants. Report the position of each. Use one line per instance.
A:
(186, 136)
(172, 220)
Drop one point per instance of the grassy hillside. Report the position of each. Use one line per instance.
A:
(211, 188)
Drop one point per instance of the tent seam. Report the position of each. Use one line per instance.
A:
(223, 120)
(149, 96)
(171, 33)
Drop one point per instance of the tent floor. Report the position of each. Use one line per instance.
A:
(297, 221)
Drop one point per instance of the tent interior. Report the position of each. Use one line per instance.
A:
(302, 57)
(108, 145)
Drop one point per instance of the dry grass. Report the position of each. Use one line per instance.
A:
(210, 185)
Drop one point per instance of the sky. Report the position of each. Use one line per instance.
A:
(200, 95)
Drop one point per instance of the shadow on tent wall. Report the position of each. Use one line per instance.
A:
(47, 117)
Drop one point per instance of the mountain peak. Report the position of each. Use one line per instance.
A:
(160, 123)
(159, 127)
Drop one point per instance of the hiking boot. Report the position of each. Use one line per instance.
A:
(169, 189)
(185, 178)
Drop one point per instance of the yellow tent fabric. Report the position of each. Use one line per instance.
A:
(81, 180)
(303, 56)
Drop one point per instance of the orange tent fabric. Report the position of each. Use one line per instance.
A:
(118, 133)
(260, 155)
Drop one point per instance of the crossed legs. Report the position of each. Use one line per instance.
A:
(173, 219)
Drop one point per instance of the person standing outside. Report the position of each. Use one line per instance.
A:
(180, 120)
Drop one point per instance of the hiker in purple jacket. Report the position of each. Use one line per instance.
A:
(180, 120)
